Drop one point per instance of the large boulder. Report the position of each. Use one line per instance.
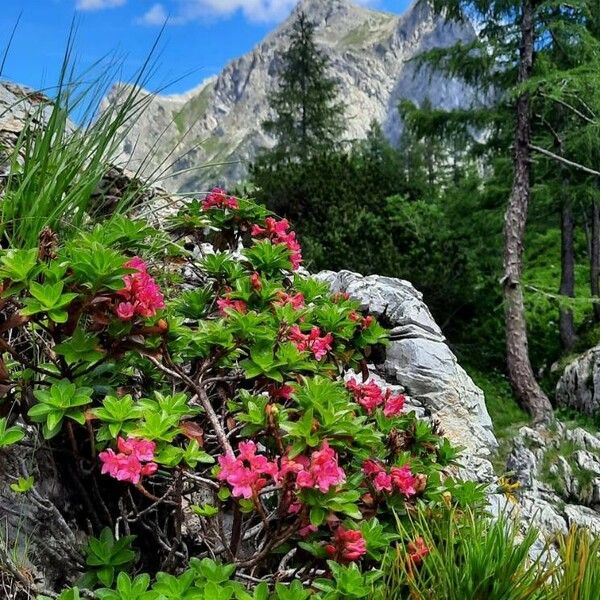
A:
(579, 385)
(419, 360)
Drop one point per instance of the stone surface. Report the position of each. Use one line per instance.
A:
(579, 385)
(419, 360)
(559, 474)
(220, 121)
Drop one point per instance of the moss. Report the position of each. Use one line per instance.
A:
(368, 32)
(193, 110)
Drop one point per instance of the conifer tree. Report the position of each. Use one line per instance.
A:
(307, 116)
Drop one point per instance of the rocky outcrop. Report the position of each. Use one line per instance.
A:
(212, 133)
(419, 360)
(559, 474)
(579, 385)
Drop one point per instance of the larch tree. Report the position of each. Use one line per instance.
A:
(307, 116)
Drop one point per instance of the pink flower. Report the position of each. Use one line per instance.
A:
(277, 232)
(280, 392)
(347, 545)
(143, 450)
(394, 404)
(323, 472)
(226, 304)
(417, 550)
(110, 462)
(218, 198)
(244, 473)
(307, 530)
(255, 281)
(141, 293)
(125, 311)
(382, 482)
(368, 395)
(403, 480)
(297, 300)
(127, 465)
(312, 341)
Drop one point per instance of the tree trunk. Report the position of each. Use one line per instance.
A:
(520, 372)
(595, 259)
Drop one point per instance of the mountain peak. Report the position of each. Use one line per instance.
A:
(219, 124)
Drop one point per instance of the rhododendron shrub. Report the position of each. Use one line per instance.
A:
(200, 400)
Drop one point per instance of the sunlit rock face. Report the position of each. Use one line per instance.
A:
(220, 121)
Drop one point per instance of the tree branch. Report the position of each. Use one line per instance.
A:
(564, 161)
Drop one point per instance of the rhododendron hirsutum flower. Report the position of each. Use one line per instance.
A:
(141, 294)
(280, 392)
(365, 322)
(322, 471)
(403, 480)
(380, 479)
(226, 304)
(128, 464)
(399, 479)
(313, 341)
(245, 474)
(255, 281)
(394, 404)
(277, 232)
(417, 550)
(295, 300)
(370, 396)
(219, 198)
(347, 545)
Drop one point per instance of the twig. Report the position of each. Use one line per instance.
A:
(563, 160)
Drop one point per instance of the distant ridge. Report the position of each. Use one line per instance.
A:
(219, 122)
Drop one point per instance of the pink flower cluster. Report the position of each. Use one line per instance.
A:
(313, 341)
(370, 396)
(218, 198)
(320, 471)
(246, 473)
(365, 322)
(133, 461)
(399, 479)
(141, 293)
(347, 545)
(226, 304)
(278, 232)
(296, 300)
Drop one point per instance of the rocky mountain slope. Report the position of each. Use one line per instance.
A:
(210, 134)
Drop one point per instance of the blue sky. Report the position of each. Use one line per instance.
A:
(201, 36)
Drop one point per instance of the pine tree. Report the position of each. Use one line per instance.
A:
(308, 119)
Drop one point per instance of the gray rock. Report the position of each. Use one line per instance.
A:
(542, 514)
(582, 516)
(420, 361)
(584, 439)
(587, 461)
(579, 385)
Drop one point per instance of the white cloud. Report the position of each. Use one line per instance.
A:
(156, 15)
(98, 4)
(256, 11)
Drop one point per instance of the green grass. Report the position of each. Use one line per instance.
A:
(55, 168)
(507, 416)
(193, 110)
